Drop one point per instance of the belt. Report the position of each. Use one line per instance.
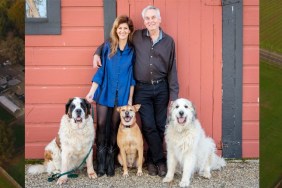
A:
(152, 82)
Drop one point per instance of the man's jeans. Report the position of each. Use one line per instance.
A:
(153, 112)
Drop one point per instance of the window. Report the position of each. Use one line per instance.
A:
(36, 8)
(42, 17)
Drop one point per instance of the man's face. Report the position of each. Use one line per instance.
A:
(151, 20)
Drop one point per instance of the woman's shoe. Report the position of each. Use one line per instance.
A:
(101, 160)
(111, 161)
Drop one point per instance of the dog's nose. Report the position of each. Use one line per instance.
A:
(78, 111)
(181, 113)
(126, 113)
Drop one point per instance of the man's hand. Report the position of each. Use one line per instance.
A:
(97, 61)
(170, 103)
(129, 102)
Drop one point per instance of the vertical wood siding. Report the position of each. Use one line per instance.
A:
(196, 27)
(250, 127)
(59, 67)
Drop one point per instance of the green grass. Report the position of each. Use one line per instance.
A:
(5, 182)
(271, 25)
(34, 161)
(270, 124)
(16, 168)
(5, 116)
(18, 131)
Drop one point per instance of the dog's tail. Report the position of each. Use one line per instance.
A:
(218, 163)
(36, 169)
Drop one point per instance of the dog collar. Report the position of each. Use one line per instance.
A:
(129, 126)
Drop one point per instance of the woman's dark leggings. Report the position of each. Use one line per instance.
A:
(108, 120)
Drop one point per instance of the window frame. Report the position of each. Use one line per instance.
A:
(46, 26)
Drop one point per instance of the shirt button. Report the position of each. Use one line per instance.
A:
(152, 48)
(150, 64)
(151, 56)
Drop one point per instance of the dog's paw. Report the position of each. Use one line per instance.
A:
(125, 174)
(92, 175)
(62, 180)
(139, 173)
(167, 179)
(184, 183)
(206, 174)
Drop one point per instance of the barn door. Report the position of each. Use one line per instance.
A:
(196, 28)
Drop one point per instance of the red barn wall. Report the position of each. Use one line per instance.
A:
(59, 67)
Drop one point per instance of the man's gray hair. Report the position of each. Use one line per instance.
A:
(150, 7)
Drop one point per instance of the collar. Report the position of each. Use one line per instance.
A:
(158, 39)
(129, 126)
(126, 50)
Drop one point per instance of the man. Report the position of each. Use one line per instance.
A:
(156, 83)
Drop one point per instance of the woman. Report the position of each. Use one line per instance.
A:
(112, 86)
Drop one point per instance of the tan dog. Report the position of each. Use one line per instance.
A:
(129, 140)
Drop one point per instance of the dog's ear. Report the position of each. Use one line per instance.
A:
(194, 112)
(137, 107)
(88, 106)
(118, 109)
(68, 105)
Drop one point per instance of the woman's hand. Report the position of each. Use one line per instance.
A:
(89, 97)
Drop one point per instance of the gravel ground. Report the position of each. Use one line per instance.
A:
(237, 173)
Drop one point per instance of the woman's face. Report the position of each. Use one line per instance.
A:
(123, 31)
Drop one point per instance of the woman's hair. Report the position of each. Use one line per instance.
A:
(114, 37)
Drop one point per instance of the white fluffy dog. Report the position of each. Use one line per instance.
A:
(187, 144)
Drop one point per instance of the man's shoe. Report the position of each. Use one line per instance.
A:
(152, 169)
(162, 169)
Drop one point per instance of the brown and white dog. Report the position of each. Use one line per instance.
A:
(72, 144)
(129, 140)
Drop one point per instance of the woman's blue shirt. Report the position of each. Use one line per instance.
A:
(115, 77)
